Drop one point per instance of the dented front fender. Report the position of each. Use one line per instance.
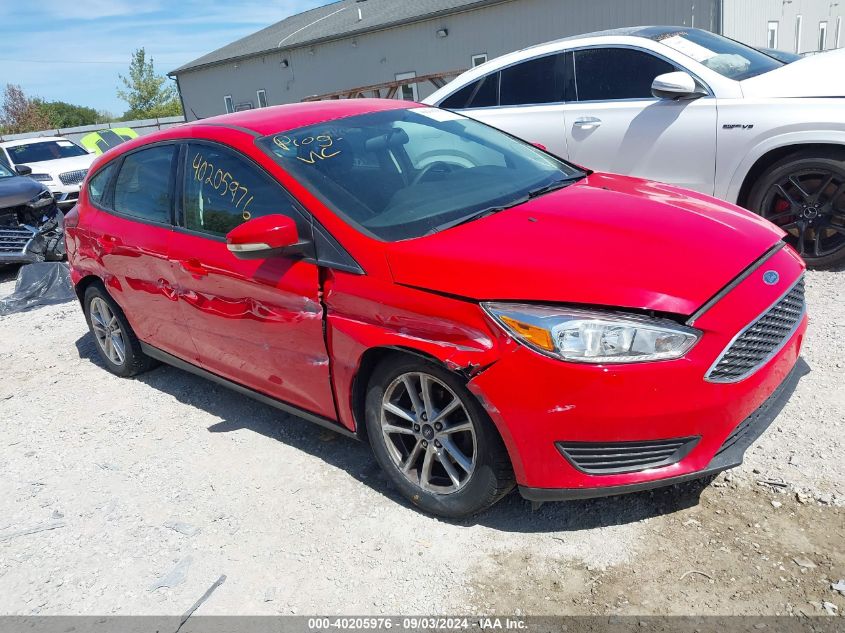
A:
(365, 313)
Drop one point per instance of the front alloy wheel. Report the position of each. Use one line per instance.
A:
(805, 196)
(433, 439)
(428, 433)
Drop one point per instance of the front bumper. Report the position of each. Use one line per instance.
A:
(730, 454)
(539, 403)
(66, 195)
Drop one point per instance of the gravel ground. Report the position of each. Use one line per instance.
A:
(134, 496)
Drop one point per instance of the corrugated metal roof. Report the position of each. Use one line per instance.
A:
(332, 21)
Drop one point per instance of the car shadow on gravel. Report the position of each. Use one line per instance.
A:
(9, 272)
(511, 514)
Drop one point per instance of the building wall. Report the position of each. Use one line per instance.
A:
(379, 56)
(747, 21)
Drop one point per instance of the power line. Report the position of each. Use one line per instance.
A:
(59, 61)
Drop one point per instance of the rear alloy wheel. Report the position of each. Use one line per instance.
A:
(434, 440)
(107, 331)
(805, 196)
(117, 344)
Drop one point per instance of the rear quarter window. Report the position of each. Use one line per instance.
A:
(541, 80)
(98, 183)
(482, 93)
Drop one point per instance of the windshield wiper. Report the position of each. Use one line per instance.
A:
(478, 215)
(552, 186)
(539, 191)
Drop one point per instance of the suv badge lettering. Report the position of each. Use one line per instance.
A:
(737, 126)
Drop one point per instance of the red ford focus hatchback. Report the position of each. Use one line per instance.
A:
(480, 311)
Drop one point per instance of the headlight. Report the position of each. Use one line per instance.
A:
(41, 200)
(42, 177)
(587, 336)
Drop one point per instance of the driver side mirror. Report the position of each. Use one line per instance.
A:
(23, 170)
(264, 237)
(676, 86)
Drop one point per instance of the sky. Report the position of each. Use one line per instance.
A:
(74, 50)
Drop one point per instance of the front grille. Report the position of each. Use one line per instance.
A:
(73, 177)
(66, 197)
(607, 458)
(762, 339)
(14, 240)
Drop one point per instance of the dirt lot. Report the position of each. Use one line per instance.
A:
(110, 488)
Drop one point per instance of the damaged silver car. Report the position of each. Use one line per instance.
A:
(31, 225)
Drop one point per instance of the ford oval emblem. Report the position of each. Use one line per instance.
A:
(771, 277)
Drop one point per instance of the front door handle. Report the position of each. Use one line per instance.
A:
(587, 122)
(193, 267)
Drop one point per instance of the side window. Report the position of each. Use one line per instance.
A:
(144, 186)
(479, 94)
(97, 185)
(541, 80)
(605, 74)
(223, 190)
(459, 99)
(487, 93)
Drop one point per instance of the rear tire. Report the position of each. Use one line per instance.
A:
(434, 440)
(804, 194)
(114, 338)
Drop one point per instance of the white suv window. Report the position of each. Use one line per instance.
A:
(540, 80)
(608, 74)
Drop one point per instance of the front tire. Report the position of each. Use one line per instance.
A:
(434, 440)
(804, 194)
(114, 338)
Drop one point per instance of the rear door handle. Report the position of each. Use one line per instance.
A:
(587, 122)
(193, 267)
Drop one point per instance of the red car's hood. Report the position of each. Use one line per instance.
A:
(606, 240)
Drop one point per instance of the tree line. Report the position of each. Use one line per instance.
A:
(146, 94)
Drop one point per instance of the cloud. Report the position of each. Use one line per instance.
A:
(44, 42)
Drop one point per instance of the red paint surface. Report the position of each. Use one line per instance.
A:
(297, 332)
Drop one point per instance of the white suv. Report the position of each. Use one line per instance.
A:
(58, 162)
(685, 107)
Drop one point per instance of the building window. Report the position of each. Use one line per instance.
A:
(822, 35)
(799, 22)
(838, 33)
(772, 40)
(230, 105)
(479, 59)
(407, 91)
(262, 98)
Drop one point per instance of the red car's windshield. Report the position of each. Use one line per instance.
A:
(403, 173)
